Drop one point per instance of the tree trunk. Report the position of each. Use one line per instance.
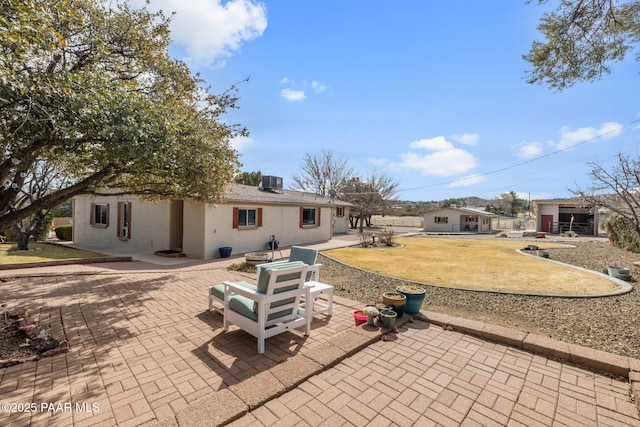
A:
(23, 241)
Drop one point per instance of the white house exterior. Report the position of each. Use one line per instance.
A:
(457, 220)
(245, 221)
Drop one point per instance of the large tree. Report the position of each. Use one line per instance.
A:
(583, 38)
(324, 174)
(90, 85)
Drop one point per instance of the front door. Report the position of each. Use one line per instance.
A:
(547, 223)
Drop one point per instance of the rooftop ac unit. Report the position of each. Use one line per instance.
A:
(271, 182)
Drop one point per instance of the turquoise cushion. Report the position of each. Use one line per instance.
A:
(244, 306)
(306, 255)
(264, 273)
(218, 290)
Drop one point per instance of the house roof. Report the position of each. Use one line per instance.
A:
(247, 193)
(471, 211)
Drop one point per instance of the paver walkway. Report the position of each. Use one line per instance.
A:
(145, 351)
(428, 376)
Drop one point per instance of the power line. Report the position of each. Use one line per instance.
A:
(535, 159)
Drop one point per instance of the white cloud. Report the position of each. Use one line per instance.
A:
(444, 158)
(569, 138)
(293, 95)
(318, 87)
(239, 143)
(377, 162)
(467, 138)
(467, 181)
(527, 150)
(211, 30)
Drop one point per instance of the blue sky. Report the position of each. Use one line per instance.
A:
(429, 93)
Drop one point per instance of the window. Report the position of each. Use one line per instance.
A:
(124, 220)
(339, 211)
(309, 217)
(99, 215)
(247, 217)
(442, 220)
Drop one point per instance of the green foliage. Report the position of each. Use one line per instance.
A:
(452, 202)
(623, 233)
(64, 209)
(253, 179)
(91, 86)
(582, 39)
(64, 232)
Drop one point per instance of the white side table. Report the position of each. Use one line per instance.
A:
(311, 306)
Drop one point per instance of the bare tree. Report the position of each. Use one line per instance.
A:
(616, 188)
(369, 195)
(324, 174)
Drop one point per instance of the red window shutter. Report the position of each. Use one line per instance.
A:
(446, 220)
(236, 214)
(301, 215)
(92, 214)
(259, 217)
(119, 220)
(435, 219)
(129, 220)
(319, 210)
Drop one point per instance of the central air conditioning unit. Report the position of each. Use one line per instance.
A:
(271, 183)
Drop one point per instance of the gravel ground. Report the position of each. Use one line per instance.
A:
(610, 324)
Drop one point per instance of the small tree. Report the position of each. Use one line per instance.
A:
(616, 188)
(370, 195)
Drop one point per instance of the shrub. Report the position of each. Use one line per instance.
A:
(386, 237)
(529, 234)
(622, 234)
(64, 232)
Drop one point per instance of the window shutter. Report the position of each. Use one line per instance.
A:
(129, 220)
(92, 214)
(435, 219)
(446, 220)
(236, 213)
(259, 217)
(108, 216)
(319, 210)
(301, 215)
(119, 220)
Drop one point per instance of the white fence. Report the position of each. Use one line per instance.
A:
(397, 221)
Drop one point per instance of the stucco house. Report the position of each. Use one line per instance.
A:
(555, 216)
(245, 221)
(456, 219)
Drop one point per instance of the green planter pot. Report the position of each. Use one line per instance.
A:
(415, 298)
(388, 318)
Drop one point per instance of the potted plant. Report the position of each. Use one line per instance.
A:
(396, 301)
(415, 297)
(388, 318)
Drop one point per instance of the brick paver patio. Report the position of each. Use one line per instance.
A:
(145, 351)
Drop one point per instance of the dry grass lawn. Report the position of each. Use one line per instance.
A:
(489, 265)
(40, 252)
